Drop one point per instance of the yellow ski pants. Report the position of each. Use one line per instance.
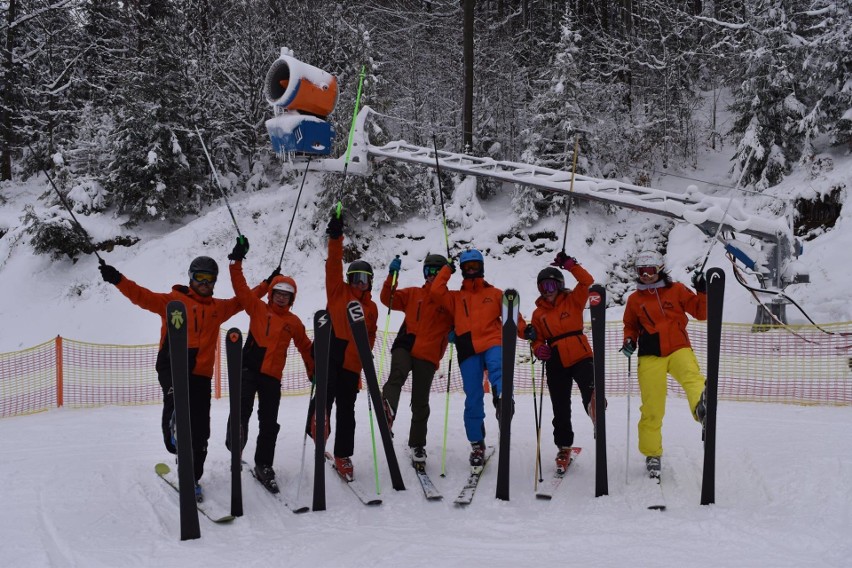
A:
(683, 366)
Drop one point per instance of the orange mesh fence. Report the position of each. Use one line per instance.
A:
(792, 364)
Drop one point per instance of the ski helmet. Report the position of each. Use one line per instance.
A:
(649, 258)
(432, 264)
(551, 273)
(359, 267)
(203, 264)
(472, 255)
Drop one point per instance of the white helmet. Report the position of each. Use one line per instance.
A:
(649, 258)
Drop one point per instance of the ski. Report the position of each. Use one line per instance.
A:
(466, 494)
(176, 322)
(355, 314)
(547, 490)
(164, 471)
(429, 490)
(234, 355)
(359, 492)
(322, 345)
(298, 509)
(658, 498)
(510, 334)
(597, 309)
(715, 303)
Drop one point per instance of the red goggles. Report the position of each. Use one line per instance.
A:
(647, 270)
(204, 277)
(548, 286)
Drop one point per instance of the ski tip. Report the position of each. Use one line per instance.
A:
(162, 469)
(657, 507)
(374, 502)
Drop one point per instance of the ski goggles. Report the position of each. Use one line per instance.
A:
(359, 278)
(471, 266)
(647, 270)
(204, 277)
(548, 286)
(429, 271)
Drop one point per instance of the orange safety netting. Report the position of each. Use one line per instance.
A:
(792, 364)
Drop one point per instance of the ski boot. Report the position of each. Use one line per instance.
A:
(653, 465)
(477, 456)
(266, 476)
(345, 468)
(563, 459)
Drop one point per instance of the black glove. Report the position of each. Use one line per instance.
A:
(628, 348)
(109, 274)
(335, 227)
(240, 249)
(699, 282)
(530, 334)
(272, 276)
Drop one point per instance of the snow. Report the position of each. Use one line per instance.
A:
(80, 490)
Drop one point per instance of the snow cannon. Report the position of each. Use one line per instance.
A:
(296, 86)
(294, 132)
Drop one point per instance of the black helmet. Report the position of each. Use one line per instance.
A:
(552, 273)
(359, 267)
(203, 264)
(435, 260)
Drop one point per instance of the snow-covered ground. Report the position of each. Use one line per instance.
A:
(80, 490)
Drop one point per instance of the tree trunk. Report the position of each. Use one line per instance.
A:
(467, 107)
(6, 134)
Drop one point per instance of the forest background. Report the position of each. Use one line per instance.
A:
(106, 95)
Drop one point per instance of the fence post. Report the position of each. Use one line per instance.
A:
(59, 378)
(217, 367)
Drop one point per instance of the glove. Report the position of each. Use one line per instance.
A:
(452, 264)
(629, 347)
(395, 265)
(529, 333)
(564, 261)
(543, 352)
(109, 274)
(272, 276)
(451, 337)
(699, 282)
(335, 227)
(240, 249)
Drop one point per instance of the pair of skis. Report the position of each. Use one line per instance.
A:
(322, 344)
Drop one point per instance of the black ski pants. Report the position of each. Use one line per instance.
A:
(560, 380)
(268, 392)
(342, 393)
(422, 373)
(199, 416)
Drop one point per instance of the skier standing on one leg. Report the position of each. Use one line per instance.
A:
(344, 365)
(206, 315)
(418, 348)
(272, 326)
(559, 341)
(655, 319)
(477, 318)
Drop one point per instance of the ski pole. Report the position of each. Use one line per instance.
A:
(627, 450)
(540, 413)
(304, 445)
(570, 191)
(295, 208)
(351, 138)
(219, 185)
(441, 195)
(68, 208)
(538, 472)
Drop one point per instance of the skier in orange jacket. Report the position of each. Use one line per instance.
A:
(655, 319)
(206, 315)
(344, 364)
(272, 327)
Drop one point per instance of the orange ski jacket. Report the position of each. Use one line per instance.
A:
(427, 323)
(271, 329)
(338, 295)
(560, 324)
(477, 313)
(205, 315)
(655, 318)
